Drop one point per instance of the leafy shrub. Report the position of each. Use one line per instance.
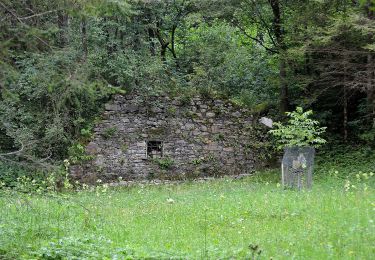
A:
(86, 133)
(300, 130)
(9, 173)
(77, 153)
(164, 163)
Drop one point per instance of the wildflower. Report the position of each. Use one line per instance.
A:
(66, 163)
(347, 185)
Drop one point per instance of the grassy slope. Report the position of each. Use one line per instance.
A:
(213, 219)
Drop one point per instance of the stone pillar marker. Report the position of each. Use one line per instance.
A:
(297, 167)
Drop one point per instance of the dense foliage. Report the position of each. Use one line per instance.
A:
(61, 61)
(300, 131)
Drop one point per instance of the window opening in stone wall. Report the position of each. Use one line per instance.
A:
(154, 149)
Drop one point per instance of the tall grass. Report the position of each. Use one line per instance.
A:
(251, 217)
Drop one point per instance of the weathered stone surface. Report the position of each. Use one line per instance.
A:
(209, 141)
(99, 161)
(92, 148)
(112, 107)
(228, 149)
(210, 114)
(236, 114)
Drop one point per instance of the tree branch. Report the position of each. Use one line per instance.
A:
(256, 40)
(14, 14)
(40, 14)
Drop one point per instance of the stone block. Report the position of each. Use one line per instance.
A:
(112, 107)
(210, 114)
(213, 147)
(189, 126)
(228, 149)
(131, 108)
(236, 114)
(93, 148)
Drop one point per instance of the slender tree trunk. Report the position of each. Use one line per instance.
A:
(369, 9)
(284, 95)
(345, 104)
(163, 44)
(62, 22)
(163, 51)
(173, 41)
(279, 35)
(84, 37)
(371, 89)
(151, 36)
(345, 114)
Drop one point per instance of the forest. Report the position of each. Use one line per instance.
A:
(311, 62)
(62, 60)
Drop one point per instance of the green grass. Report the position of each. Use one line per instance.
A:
(209, 220)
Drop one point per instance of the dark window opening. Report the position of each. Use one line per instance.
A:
(154, 149)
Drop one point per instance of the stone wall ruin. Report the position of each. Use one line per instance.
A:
(145, 137)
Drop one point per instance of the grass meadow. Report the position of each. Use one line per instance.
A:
(249, 218)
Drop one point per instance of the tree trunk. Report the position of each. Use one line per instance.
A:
(163, 44)
(345, 114)
(345, 103)
(62, 23)
(278, 30)
(84, 37)
(284, 96)
(369, 8)
(370, 90)
(151, 36)
(173, 41)
(163, 51)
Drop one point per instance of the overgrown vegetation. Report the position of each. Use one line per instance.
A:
(165, 163)
(62, 60)
(214, 219)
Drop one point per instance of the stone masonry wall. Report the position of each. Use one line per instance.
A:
(199, 138)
